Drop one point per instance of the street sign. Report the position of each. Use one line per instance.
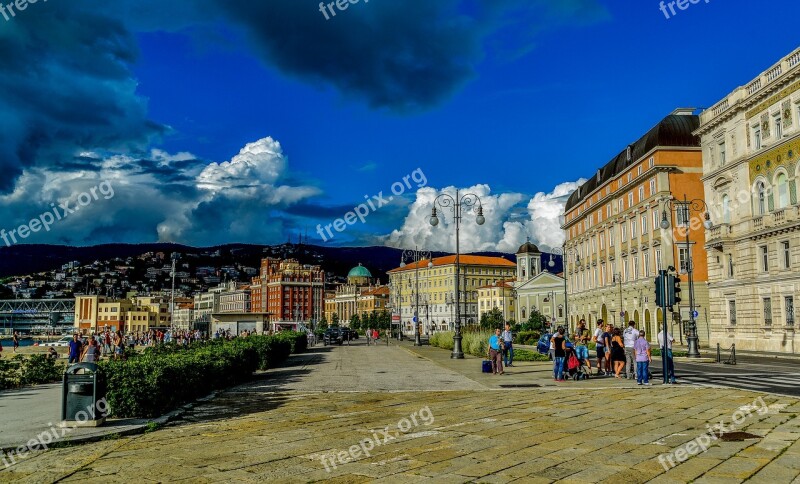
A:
(695, 314)
(414, 319)
(622, 314)
(395, 318)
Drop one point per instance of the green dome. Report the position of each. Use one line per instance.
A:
(360, 271)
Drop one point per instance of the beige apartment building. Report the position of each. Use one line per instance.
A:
(436, 302)
(94, 314)
(614, 244)
(751, 148)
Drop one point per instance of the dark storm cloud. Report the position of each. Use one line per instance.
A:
(403, 55)
(66, 88)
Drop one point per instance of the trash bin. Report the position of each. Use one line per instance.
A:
(83, 399)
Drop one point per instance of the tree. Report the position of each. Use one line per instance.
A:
(384, 320)
(355, 322)
(536, 321)
(373, 319)
(322, 323)
(335, 319)
(491, 319)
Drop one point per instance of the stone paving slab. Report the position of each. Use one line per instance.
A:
(279, 430)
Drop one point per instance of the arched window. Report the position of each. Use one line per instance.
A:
(726, 209)
(783, 192)
(523, 313)
(761, 198)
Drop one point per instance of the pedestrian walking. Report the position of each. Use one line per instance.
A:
(496, 352)
(15, 341)
(508, 348)
(607, 344)
(617, 351)
(581, 341)
(375, 335)
(629, 336)
(597, 337)
(91, 351)
(643, 358)
(559, 352)
(368, 332)
(662, 336)
(75, 349)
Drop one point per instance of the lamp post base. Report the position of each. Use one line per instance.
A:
(417, 340)
(458, 353)
(693, 341)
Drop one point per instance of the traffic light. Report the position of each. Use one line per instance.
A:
(660, 291)
(673, 291)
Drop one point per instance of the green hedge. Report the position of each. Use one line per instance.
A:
(29, 370)
(164, 377)
(477, 344)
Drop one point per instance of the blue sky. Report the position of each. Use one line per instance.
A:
(515, 100)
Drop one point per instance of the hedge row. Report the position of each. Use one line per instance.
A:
(477, 344)
(167, 376)
(31, 370)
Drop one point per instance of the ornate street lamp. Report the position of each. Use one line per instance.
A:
(683, 210)
(565, 253)
(456, 205)
(416, 256)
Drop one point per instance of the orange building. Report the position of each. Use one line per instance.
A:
(614, 243)
(290, 291)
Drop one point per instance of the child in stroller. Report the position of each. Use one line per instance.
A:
(575, 368)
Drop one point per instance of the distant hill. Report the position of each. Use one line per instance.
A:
(22, 260)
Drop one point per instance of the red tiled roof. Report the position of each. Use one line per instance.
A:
(472, 260)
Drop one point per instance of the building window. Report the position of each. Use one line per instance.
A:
(611, 237)
(789, 303)
(624, 268)
(778, 127)
(608, 211)
(630, 199)
(641, 193)
(787, 256)
(644, 224)
(761, 198)
(732, 312)
(652, 187)
(603, 240)
(682, 214)
(783, 191)
(722, 154)
(767, 311)
(726, 209)
(730, 265)
(757, 137)
(652, 161)
(639, 170)
(646, 263)
(683, 259)
(621, 205)
(633, 228)
(635, 262)
(764, 258)
(658, 260)
(624, 232)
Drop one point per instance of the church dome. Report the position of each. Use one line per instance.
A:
(359, 271)
(527, 247)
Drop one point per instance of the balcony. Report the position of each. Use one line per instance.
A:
(779, 217)
(758, 223)
(719, 234)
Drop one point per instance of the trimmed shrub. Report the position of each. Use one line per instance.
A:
(166, 376)
(477, 344)
(29, 370)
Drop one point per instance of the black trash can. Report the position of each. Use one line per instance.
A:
(83, 397)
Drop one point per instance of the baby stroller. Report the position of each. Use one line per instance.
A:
(575, 368)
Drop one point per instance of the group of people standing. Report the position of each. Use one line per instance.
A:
(620, 352)
(501, 350)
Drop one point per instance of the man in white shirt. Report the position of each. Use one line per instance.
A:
(668, 356)
(629, 337)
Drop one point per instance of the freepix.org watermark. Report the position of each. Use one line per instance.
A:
(423, 416)
(669, 7)
(8, 10)
(341, 5)
(372, 204)
(58, 213)
(701, 444)
(53, 434)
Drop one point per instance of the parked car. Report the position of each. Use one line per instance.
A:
(60, 343)
(332, 336)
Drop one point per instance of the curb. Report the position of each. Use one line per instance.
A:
(139, 429)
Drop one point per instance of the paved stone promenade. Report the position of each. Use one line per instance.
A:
(421, 418)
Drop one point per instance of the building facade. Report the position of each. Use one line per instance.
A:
(360, 295)
(288, 290)
(436, 303)
(615, 245)
(537, 289)
(751, 148)
(94, 314)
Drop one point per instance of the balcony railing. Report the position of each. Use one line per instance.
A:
(779, 217)
(758, 223)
